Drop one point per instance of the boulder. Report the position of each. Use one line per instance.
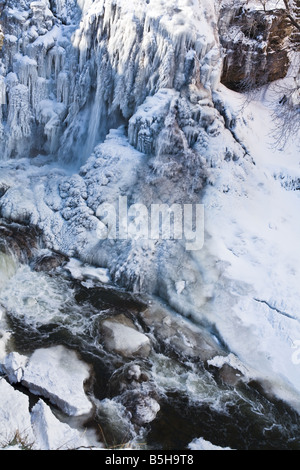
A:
(178, 335)
(48, 262)
(15, 422)
(229, 375)
(52, 434)
(121, 336)
(58, 374)
(136, 391)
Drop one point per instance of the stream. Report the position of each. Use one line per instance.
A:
(48, 308)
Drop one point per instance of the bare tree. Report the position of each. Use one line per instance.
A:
(286, 112)
(286, 106)
(292, 12)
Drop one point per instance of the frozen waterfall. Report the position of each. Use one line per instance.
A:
(92, 64)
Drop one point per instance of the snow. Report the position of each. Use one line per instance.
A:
(147, 122)
(37, 429)
(157, 70)
(57, 374)
(258, 314)
(52, 434)
(12, 366)
(250, 268)
(125, 340)
(81, 271)
(14, 415)
(202, 444)
(267, 4)
(78, 61)
(4, 338)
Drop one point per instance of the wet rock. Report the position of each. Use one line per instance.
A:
(3, 187)
(129, 377)
(106, 296)
(136, 391)
(143, 408)
(121, 336)
(49, 262)
(230, 369)
(176, 334)
(229, 375)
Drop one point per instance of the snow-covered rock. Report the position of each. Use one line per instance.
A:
(133, 386)
(121, 336)
(57, 374)
(144, 409)
(37, 429)
(52, 434)
(12, 366)
(202, 444)
(4, 338)
(15, 420)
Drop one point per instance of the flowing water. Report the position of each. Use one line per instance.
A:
(50, 308)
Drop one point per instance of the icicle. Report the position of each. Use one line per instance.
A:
(2, 91)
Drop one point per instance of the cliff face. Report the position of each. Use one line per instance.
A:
(65, 61)
(255, 47)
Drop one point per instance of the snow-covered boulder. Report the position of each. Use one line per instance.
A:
(202, 444)
(15, 422)
(52, 434)
(133, 386)
(58, 374)
(121, 336)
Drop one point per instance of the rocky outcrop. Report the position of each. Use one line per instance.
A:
(253, 42)
(176, 335)
(18, 240)
(48, 261)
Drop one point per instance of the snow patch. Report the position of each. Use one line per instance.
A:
(57, 374)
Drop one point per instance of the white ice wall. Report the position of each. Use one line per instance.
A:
(101, 60)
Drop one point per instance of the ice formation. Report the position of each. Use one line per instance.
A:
(102, 99)
(99, 59)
